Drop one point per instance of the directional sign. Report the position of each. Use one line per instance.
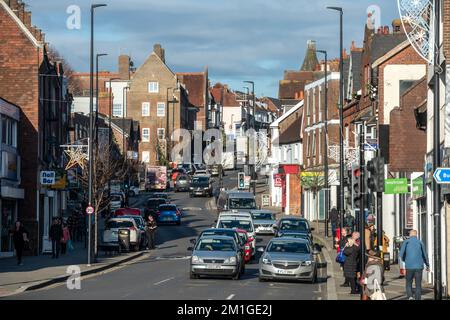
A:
(90, 210)
(442, 175)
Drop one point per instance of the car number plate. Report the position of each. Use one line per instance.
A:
(213, 266)
(280, 271)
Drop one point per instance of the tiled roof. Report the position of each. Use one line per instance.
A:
(292, 133)
(356, 70)
(228, 99)
(383, 43)
(125, 124)
(195, 83)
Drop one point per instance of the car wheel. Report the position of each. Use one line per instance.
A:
(193, 275)
(262, 279)
(243, 268)
(237, 276)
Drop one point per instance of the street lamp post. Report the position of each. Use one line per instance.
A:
(98, 55)
(252, 166)
(341, 116)
(91, 127)
(437, 153)
(325, 143)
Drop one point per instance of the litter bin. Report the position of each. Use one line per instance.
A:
(124, 240)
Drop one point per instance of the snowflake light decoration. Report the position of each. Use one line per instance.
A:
(418, 15)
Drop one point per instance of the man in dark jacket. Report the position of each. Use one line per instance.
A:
(150, 230)
(56, 234)
(351, 264)
(334, 219)
(414, 255)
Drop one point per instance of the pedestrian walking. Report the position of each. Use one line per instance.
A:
(334, 219)
(373, 273)
(20, 239)
(65, 238)
(150, 230)
(56, 235)
(349, 222)
(351, 264)
(340, 246)
(413, 253)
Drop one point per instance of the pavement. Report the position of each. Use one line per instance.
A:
(42, 271)
(164, 273)
(394, 285)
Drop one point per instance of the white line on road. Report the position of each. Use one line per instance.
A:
(162, 281)
(231, 296)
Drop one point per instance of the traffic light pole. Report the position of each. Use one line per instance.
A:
(380, 221)
(361, 201)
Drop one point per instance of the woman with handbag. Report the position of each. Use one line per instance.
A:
(20, 239)
(352, 257)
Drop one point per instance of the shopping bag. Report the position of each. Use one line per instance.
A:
(70, 245)
(378, 293)
(340, 258)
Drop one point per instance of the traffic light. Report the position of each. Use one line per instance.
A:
(356, 187)
(241, 180)
(376, 179)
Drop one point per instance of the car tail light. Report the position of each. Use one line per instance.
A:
(178, 213)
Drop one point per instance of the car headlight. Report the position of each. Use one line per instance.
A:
(191, 188)
(206, 188)
(230, 260)
(196, 259)
(306, 263)
(266, 260)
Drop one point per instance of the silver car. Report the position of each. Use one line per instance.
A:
(289, 259)
(263, 220)
(217, 256)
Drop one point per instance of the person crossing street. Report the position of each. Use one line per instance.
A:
(150, 230)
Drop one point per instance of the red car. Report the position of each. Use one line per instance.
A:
(127, 212)
(248, 245)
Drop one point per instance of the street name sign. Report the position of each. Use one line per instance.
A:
(442, 175)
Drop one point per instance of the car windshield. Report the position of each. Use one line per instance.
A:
(115, 198)
(200, 167)
(288, 247)
(238, 224)
(228, 233)
(119, 224)
(242, 203)
(167, 208)
(216, 245)
(294, 225)
(263, 216)
(200, 181)
(181, 178)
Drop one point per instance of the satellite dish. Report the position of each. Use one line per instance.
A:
(419, 15)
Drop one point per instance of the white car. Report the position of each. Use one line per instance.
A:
(116, 201)
(134, 191)
(236, 214)
(111, 233)
(239, 222)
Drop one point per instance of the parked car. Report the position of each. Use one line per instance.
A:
(287, 226)
(239, 222)
(116, 201)
(152, 206)
(221, 232)
(236, 200)
(263, 220)
(201, 185)
(289, 258)
(168, 213)
(111, 232)
(134, 191)
(182, 183)
(217, 256)
(248, 249)
(141, 226)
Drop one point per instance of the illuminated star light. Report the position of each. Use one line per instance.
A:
(77, 158)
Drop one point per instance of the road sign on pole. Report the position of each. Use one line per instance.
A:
(442, 175)
(90, 210)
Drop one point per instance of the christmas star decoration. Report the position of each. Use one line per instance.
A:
(76, 158)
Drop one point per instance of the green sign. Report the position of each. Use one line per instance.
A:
(418, 187)
(396, 186)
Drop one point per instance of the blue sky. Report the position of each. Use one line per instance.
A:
(237, 39)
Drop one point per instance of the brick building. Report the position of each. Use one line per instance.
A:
(31, 80)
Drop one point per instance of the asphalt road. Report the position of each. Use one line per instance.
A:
(164, 272)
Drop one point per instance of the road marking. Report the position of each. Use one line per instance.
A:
(231, 296)
(162, 281)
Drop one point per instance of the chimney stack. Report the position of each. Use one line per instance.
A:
(124, 67)
(386, 30)
(159, 52)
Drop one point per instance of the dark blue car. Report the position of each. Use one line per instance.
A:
(168, 213)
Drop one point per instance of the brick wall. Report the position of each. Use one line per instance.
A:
(407, 145)
(19, 69)
(446, 20)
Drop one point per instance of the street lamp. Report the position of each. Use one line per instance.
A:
(325, 143)
(253, 171)
(91, 126)
(341, 115)
(96, 93)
